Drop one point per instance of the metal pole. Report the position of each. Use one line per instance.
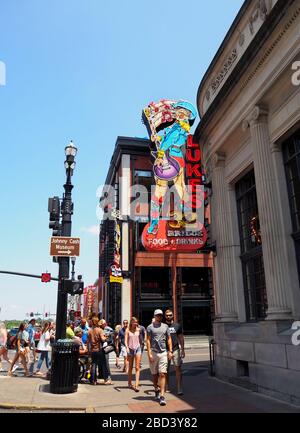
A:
(64, 262)
(25, 275)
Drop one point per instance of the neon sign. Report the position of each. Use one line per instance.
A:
(177, 163)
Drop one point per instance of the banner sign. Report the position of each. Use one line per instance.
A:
(115, 274)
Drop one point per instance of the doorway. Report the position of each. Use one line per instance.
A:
(196, 320)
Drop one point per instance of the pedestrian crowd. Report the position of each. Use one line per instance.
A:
(97, 340)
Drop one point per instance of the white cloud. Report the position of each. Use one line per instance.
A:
(93, 230)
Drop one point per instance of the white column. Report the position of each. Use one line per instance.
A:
(272, 225)
(125, 184)
(225, 285)
(237, 272)
(126, 285)
(125, 307)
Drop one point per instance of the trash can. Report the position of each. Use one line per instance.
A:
(64, 367)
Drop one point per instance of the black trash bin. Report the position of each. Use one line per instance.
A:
(64, 367)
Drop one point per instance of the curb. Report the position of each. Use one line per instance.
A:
(38, 407)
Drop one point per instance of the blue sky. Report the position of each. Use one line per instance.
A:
(83, 70)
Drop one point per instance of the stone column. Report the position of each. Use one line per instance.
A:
(276, 263)
(225, 290)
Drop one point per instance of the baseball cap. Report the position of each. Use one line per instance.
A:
(158, 312)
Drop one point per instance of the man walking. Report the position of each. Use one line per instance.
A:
(178, 349)
(158, 338)
(31, 332)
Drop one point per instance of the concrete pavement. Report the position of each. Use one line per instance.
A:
(202, 394)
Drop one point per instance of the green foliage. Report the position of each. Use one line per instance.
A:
(12, 323)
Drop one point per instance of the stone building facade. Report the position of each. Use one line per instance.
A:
(249, 102)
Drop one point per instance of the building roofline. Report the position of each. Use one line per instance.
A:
(124, 145)
(223, 45)
(264, 32)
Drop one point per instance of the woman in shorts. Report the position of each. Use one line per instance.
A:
(134, 352)
(22, 348)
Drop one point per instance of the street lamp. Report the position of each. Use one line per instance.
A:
(66, 228)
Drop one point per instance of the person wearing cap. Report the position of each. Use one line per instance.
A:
(158, 340)
(173, 142)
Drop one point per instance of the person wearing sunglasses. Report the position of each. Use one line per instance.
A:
(178, 349)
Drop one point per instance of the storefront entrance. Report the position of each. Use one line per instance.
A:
(196, 320)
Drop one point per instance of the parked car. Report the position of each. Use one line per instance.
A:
(11, 337)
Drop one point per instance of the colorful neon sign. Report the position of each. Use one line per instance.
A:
(177, 164)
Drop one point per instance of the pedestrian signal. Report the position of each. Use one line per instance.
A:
(46, 278)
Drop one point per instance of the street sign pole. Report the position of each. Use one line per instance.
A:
(64, 262)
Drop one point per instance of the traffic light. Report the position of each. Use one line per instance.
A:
(73, 287)
(46, 314)
(31, 314)
(54, 218)
(46, 277)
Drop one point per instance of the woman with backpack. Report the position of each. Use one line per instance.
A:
(134, 351)
(44, 348)
(22, 346)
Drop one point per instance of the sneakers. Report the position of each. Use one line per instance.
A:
(162, 401)
(15, 367)
(157, 395)
(180, 392)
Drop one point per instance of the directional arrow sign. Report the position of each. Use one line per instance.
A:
(64, 246)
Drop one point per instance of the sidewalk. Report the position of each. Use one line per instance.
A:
(203, 394)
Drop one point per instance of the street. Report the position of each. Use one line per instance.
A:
(202, 394)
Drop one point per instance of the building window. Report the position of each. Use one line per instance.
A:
(195, 282)
(139, 228)
(156, 282)
(291, 155)
(141, 208)
(251, 249)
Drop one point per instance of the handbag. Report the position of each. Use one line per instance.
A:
(109, 348)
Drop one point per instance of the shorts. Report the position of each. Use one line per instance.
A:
(123, 351)
(160, 363)
(134, 352)
(177, 360)
(118, 350)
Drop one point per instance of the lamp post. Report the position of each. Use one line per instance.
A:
(66, 226)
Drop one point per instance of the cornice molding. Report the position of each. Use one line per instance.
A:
(272, 47)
